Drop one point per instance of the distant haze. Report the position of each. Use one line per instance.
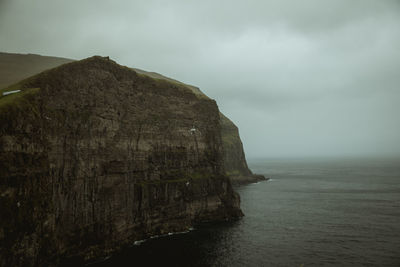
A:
(299, 78)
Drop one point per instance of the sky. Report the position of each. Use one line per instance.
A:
(310, 78)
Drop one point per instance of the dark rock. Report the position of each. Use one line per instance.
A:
(234, 158)
(242, 180)
(94, 156)
(14, 67)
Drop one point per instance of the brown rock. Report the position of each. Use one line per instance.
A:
(94, 156)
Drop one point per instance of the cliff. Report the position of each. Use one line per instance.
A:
(234, 158)
(15, 67)
(94, 156)
(235, 163)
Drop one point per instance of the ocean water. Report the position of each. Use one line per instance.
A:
(313, 212)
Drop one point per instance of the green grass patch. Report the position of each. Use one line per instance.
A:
(164, 82)
(17, 99)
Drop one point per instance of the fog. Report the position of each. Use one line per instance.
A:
(299, 78)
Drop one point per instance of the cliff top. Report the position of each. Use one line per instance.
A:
(96, 63)
(16, 67)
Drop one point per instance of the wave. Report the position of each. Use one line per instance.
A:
(139, 242)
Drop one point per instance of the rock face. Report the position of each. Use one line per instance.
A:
(94, 156)
(235, 163)
(234, 158)
(14, 67)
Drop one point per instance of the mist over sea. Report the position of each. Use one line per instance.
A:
(313, 212)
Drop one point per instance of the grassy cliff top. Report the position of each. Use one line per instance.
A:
(156, 75)
(17, 99)
(16, 67)
(97, 62)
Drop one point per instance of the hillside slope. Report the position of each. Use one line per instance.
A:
(15, 67)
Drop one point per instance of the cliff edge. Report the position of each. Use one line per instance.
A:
(15, 67)
(234, 158)
(235, 163)
(94, 156)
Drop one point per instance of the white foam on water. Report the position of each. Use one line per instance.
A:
(139, 242)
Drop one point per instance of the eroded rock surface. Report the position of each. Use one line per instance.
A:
(94, 156)
(234, 158)
(15, 67)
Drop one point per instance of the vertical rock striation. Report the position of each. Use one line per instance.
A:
(94, 156)
(14, 67)
(235, 163)
(234, 158)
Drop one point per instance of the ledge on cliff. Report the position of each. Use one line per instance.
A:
(94, 156)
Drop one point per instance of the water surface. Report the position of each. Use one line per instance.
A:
(321, 212)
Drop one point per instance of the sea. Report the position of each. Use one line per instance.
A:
(312, 212)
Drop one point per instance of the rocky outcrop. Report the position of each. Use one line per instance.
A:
(14, 67)
(234, 158)
(94, 156)
(235, 163)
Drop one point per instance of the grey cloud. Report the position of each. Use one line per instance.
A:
(312, 77)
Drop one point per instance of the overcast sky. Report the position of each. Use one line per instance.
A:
(299, 78)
